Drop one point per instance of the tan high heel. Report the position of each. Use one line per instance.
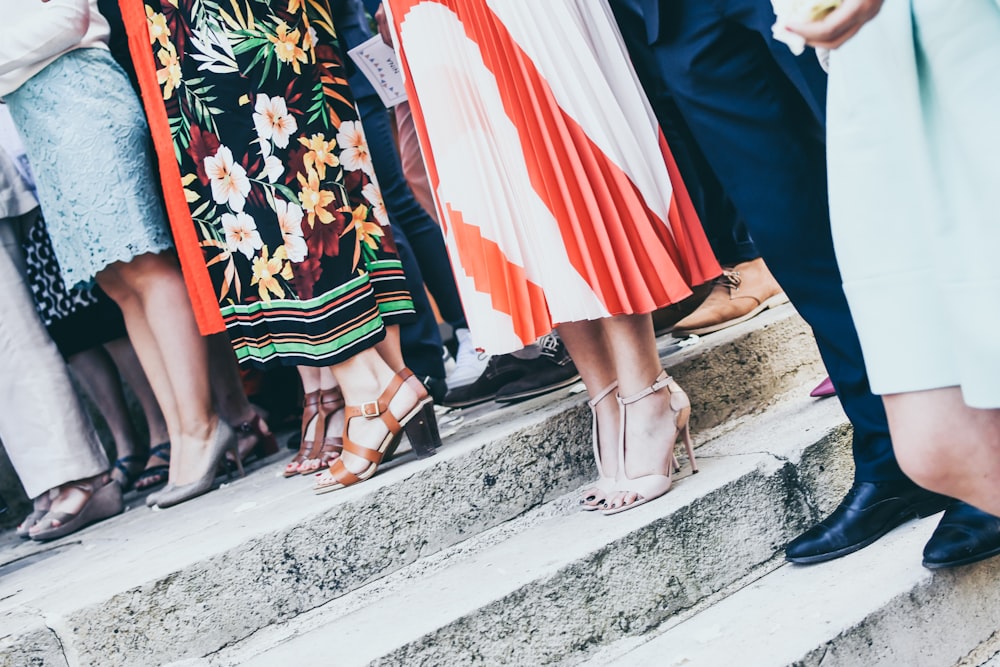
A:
(650, 487)
(419, 424)
(605, 484)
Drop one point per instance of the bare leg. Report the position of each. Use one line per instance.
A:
(390, 350)
(946, 446)
(166, 323)
(362, 378)
(125, 359)
(96, 373)
(227, 385)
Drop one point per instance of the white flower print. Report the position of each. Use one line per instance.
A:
(354, 149)
(272, 120)
(373, 194)
(273, 169)
(241, 234)
(230, 184)
(290, 223)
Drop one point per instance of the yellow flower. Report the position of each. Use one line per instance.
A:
(158, 30)
(320, 154)
(365, 230)
(315, 200)
(170, 76)
(294, 6)
(286, 47)
(266, 272)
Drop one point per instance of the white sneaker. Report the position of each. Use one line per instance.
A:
(469, 362)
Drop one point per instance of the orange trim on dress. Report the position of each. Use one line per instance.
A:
(192, 259)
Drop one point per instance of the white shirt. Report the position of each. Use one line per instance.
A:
(34, 33)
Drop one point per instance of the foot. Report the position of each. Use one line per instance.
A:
(469, 362)
(78, 504)
(824, 389)
(157, 469)
(331, 420)
(965, 535)
(41, 507)
(741, 292)
(652, 423)
(605, 416)
(868, 511)
(369, 434)
(127, 469)
(253, 437)
(552, 369)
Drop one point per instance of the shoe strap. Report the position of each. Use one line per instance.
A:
(662, 380)
(379, 407)
(602, 394)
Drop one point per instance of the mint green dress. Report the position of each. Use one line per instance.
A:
(914, 156)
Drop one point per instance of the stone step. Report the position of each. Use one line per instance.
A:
(558, 590)
(878, 606)
(145, 588)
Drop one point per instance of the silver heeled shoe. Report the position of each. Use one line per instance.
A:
(223, 440)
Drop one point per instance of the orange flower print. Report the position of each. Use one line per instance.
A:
(314, 199)
(230, 184)
(286, 47)
(366, 232)
(272, 120)
(267, 271)
(320, 155)
(158, 30)
(170, 75)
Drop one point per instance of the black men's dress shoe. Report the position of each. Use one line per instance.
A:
(964, 535)
(867, 512)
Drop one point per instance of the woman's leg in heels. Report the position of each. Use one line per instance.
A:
(231, 400)
(161, 324)
(588, 345)
(650, 429)
(97, 374)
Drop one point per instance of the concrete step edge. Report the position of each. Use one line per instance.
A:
(542, 595)
(202, 579)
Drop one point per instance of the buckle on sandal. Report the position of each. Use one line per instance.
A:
(375, 412)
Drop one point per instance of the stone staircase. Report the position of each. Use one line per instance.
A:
(479, 555)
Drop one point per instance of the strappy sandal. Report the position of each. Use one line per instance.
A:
(130, 468)
(419, 424)
(310, 411)
(325, 448)
(264, 444)
(158, 474)
(104, 502)
(29, 522)
(605, 485)
(651, 487)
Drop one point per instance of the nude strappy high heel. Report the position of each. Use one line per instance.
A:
(605, 485)
(650, 487)
(310, 413)
(419, 424)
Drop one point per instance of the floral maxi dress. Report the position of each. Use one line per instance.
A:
(263, 156)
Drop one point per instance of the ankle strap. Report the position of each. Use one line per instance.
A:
(662, 380)
(602, 394)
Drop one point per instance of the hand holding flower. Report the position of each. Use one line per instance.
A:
(836, 23)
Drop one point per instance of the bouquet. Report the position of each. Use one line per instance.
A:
(798, 11)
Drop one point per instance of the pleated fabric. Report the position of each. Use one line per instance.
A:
(558, 195)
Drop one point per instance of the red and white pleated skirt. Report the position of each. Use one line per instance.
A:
(558, 196)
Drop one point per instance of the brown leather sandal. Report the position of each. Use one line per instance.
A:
(310, 411)
(419, 424)
(325, 448)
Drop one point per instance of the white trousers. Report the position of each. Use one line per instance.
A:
(48, 437)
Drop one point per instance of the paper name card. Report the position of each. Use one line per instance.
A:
(377, 61)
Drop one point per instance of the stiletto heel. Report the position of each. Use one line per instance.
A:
(650, 487)
(340, 476)
(605, 483)
(223, 441)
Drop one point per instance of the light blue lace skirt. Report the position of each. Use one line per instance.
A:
(89, 146)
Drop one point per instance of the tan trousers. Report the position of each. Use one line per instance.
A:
(412, 160)
(48, 437)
